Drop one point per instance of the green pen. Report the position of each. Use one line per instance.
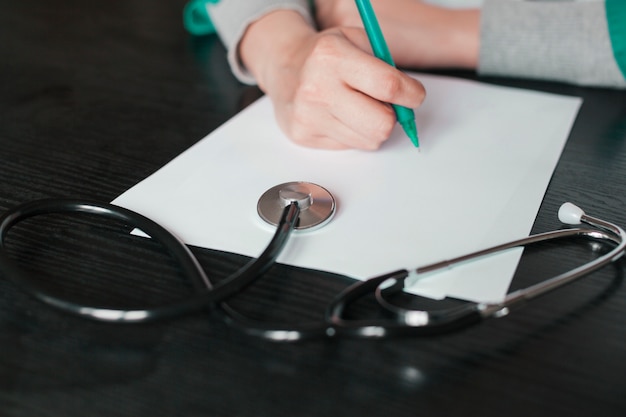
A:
(405, 116)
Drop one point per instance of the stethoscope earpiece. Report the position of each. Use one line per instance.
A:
(570, 214)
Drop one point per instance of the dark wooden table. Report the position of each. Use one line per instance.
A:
(97, 95)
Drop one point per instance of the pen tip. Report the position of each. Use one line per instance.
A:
(411, 131)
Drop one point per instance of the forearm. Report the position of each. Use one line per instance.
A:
(419, 35)
(453, 34)
(562, 41)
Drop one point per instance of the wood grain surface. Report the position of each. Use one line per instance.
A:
(97, 95)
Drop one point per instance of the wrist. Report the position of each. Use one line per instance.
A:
(269, 43)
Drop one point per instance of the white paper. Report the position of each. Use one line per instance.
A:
(486, 156)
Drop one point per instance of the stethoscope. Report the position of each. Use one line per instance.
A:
(304, 206)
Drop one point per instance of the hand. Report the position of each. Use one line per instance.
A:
(328, 91)
(419, 35)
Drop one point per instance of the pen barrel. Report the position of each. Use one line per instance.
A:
(403, 114)
(374, 33)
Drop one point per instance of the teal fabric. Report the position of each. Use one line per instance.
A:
(197, 21)
(616, 18)
(196, 18)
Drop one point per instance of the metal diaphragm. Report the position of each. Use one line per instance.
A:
(317, 205)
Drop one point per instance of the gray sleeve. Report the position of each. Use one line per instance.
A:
(553, 40)
(231, 19)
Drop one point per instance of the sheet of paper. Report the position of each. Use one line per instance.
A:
(487, 154)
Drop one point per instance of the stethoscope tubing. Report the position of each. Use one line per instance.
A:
(206, 298)
(210, 296)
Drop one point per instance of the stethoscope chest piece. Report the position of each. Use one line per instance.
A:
(317, 205)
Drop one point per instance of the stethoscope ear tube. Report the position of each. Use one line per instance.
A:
(441, 320)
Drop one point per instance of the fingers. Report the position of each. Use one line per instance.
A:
(334, 94)
(358, 89)
(370, 122)
(356, 122)
(376, 78)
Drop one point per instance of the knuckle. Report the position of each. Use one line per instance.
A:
(419, 98)
(384, 126)
(301, 130)
(326, 47)
(299, 136)
(309, 91)
(390, 86)
(389, 121)
(373, 145)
